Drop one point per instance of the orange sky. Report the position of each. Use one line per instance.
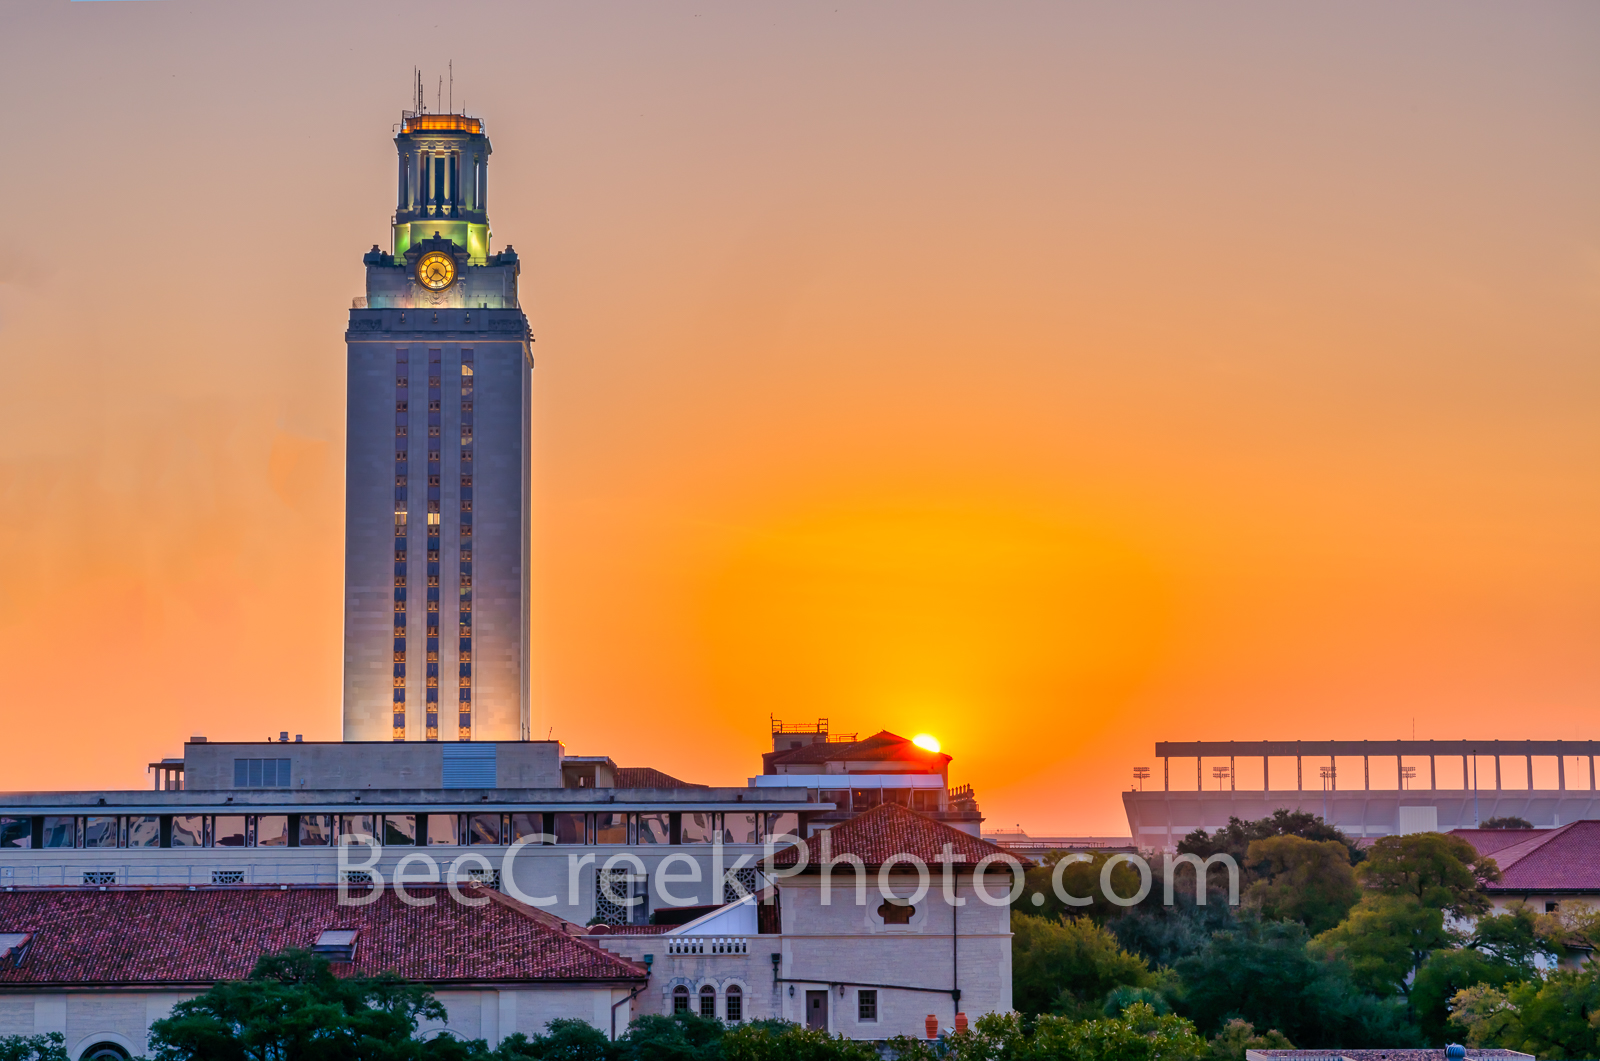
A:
(1052, 378)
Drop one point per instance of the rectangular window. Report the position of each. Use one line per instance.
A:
(867, 1006)
(781, 823)
(272, 830)
(272, 773)
(352, 826)
(839, 797)
(144, 831)
(610, 827)
(60, 832)
(739, 828)
(228, 831)
(526, 825)
(399, 830)
(16, 832)
(485, 828)
(655, 828)
(866, 798)
(188, 830)
(316, 830)
(444, 830)
(100, 832)
(925, 799)
(570, 828)
(697, 828)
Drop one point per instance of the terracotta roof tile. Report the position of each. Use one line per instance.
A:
(1562, 859)
(1488, 841)
(890, 829)
(649, 777)
(174, 935)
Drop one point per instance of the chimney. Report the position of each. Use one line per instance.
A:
(283, 736)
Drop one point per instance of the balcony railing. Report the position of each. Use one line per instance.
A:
(708, 945)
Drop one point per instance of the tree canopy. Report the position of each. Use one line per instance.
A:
(1440, 871)
(1235, 837)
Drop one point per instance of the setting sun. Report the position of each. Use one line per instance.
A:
(926, 742)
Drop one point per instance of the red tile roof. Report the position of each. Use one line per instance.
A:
(890, 829)
(1488, 841)
(1564, 859)
(649, 777)
(173, 935)
(882, 746)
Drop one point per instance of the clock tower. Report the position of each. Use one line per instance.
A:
(440, 369)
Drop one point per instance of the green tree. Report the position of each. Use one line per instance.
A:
(1442, 977)
(680, 1037)
(1068, 965)
(1309, 881)
(1553, 1017)
(774, 1040)
(565, 1039)
(1235, 837)
(1139, 1034)
(51, 1047)
(1080, 878)
(1385, 940)
(1263, 973)
(292, 1008)
(1439, 870)
(1238, 1036)
(1510, 821)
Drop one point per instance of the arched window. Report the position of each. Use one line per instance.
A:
(680, 999)
(708, 1002)
(104, 1052)
(735, 1004)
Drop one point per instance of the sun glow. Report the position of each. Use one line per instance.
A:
(926, 742)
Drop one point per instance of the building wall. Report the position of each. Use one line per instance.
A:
(381, 764)
(89, 1016)
(501, 396)
(845, 946)
(1160, 819)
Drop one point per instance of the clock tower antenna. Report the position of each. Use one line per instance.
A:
(452, 86)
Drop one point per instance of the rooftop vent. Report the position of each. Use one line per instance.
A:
(336, 945)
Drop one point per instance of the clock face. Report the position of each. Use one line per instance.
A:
(436, 270)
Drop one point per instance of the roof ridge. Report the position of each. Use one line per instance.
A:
(1519, 851)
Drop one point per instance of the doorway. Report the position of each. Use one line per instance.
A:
(817, 1010)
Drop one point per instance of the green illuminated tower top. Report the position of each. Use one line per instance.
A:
(444, 183)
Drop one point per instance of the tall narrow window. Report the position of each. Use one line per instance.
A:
(402, 448)
(431, 689)
(464, 700)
